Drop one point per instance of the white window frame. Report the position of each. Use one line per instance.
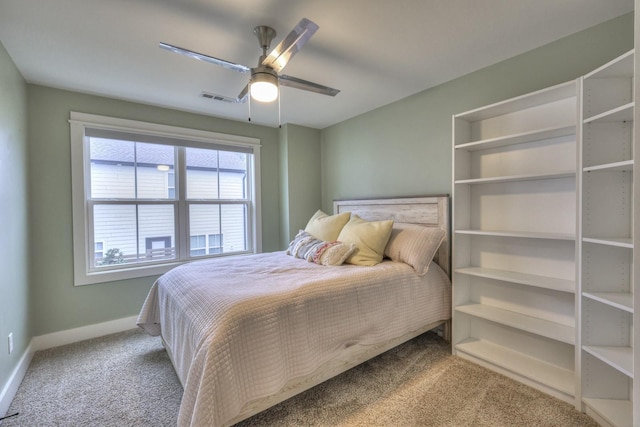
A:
(80, 173)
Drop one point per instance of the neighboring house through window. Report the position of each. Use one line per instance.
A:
(158, 247)
(148, 197)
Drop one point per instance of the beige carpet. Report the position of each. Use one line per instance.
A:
(127, 380)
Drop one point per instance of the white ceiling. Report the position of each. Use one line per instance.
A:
(375, 51)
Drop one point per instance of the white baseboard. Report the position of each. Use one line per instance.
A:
(11, 387)
(57, 339)
(82, 333)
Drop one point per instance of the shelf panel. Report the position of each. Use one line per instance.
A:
(619, 300)
(624, 113)
(529, 367)
(621, 242)
(541, 97)
(615, 412)
(519, 138)
(619, 358)
(524, 234)
(626, 165)
(534, 325)
(545, 282)
(620, 67)
(514, 178)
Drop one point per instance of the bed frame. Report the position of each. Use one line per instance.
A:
(429, 211)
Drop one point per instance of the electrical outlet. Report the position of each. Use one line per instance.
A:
(10, 339)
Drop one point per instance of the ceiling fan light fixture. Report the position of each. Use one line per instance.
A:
(264, 86)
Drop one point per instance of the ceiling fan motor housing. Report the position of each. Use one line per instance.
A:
(265, 35)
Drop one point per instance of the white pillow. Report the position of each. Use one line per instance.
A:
(415, 245)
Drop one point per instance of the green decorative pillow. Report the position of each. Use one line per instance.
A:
(370, 237)
(326, 227)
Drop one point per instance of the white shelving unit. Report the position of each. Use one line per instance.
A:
(514, 240)
(606, 248)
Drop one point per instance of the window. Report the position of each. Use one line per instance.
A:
(206, 244)
(171, 185)
(147, 197)
(215, 243)
(98, 251)
(198, 245)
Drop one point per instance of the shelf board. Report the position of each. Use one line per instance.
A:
(619, 300)
(621, 242)
(518, 138)
(626, 165)
(514, 178)
(619, 358)
(534, 99)
(620, 67)
(524, 365)
(615, 412)
(524, 234)
(534, 325)
(623, 113)
(545, 282)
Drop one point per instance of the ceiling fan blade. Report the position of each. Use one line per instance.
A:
(290, 45)
(242, 97)
(226, 64)
(297, 83)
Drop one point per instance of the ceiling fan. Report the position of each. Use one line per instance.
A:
(265, 78)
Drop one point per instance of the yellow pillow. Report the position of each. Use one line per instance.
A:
(325, 227)
(370, 237)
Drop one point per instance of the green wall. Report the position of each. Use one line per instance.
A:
(57, 304)
(404, 148)
(14, 270)
(300, 178)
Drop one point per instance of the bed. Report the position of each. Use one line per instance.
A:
(245, 333)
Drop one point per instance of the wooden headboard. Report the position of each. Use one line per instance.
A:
(429, 211)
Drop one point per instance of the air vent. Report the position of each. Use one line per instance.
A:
(218, 97)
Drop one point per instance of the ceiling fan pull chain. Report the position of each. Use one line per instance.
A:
(279, 115)
(249, 100)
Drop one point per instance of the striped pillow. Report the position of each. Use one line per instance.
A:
(305, 246)
(415, 245)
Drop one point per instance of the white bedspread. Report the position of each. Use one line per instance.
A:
(239, 328)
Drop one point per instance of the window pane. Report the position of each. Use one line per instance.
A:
(117, 226)
(125, 169)
(157, 235)
(112, 173)
(154, 164)
(203, 220)
(202, 173)
(233, 175)
(234, 227)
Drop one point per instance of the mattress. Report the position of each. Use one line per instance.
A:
(239, 328)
